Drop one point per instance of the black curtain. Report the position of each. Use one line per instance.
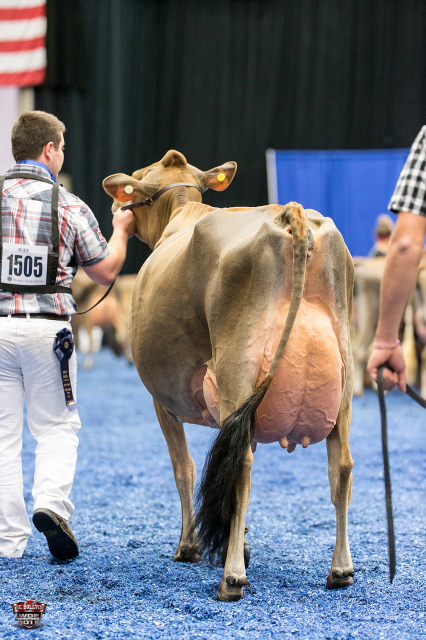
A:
(225, 80)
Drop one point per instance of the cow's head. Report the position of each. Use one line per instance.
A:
(151, 219)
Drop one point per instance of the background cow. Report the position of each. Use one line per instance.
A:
(412, 333)
(414, 345)
(111, 315)
(368, 276)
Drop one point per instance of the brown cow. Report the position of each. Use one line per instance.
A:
(240, 320)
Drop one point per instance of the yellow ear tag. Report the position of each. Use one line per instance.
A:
(221, 177)
(128, 188)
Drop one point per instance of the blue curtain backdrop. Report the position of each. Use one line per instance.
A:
(351, 187)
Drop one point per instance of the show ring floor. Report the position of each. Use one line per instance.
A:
(127, 521)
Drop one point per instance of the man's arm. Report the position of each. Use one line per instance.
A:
(106, 271)
(399, 279)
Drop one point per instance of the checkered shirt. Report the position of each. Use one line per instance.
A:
(410, 190)
(26, 216)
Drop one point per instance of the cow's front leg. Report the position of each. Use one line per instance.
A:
(340, 475)
(234, 574)
(188, 549)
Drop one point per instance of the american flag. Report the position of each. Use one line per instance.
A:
(22, 42)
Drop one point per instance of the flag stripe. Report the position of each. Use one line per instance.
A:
(14, 4)
(22, 42)
(24, 79)
(22, 60)
(22, 45)
(28, 13)
(22, 29)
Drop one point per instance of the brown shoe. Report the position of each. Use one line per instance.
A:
(61, 540)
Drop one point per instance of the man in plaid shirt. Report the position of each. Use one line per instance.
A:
(402, 265)
(45, 234)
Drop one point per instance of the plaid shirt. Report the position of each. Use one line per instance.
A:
(26, 215)
(410, 190)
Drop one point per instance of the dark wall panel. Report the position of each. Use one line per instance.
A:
(225, 80)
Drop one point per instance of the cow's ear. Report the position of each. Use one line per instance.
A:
(219, 178)
(123, 188)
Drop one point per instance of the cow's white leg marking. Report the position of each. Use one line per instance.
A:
(340, 476)
(188, 549)
(234, 574)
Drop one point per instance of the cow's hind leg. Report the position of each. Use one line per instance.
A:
(188, 549)
(246, 552)
(340, 475)
(234, 573)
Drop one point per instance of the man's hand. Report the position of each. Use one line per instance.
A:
(125, 220)
(106, 271)
(394, 371)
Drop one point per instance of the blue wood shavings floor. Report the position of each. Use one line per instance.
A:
(127, 521)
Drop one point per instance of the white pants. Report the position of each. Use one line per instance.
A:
(28, 365)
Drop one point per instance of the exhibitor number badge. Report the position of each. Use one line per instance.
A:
(24, 264)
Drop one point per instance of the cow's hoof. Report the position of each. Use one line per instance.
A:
(338, 579)
(187, 553)
(231, 589)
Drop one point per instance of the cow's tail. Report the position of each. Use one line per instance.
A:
(217, 494)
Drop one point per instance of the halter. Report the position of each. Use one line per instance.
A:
(159, 193)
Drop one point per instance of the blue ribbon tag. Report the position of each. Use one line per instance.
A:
(63, 346)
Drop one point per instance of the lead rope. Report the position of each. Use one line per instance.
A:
(80, 313)
(388, 490)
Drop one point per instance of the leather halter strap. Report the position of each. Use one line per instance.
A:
(159, 193)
